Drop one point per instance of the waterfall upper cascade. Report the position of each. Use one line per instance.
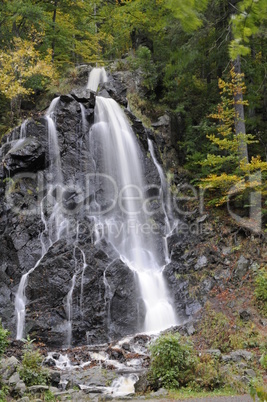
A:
(97, 76)
(88, 256)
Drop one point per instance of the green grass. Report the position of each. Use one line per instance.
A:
(186, 393)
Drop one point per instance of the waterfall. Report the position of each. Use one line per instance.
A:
(118, 164)
(118, 212)
(54, 225)
(97, 76)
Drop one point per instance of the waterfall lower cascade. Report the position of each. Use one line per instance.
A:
(127, 225)
(55, 224)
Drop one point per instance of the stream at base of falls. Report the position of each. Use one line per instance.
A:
(108, 369)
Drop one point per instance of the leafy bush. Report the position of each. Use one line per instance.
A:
(32, 372)
(215, 329)
(3, 392)
(257, 389)
(208, 374)
(172, 361)
(245, 336)
(261, 289)
(49, 396)
(3, 339)
(263, 361)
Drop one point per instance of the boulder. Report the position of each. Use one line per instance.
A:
(241, 268)
(26, 155)
(8, 367)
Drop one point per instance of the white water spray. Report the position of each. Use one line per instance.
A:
(119, 157)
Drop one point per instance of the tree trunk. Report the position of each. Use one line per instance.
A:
(54, 29)
(240, 127)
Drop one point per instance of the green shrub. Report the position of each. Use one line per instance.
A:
(261, 289)
(263, 361)
(3, 339)
(208, 374)
(3, 392)
(172, 361)
(244, 336)
(31, 371)
(256, 388)
(49, 396)
(215, 329)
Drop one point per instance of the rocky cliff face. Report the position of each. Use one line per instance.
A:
(105, 300)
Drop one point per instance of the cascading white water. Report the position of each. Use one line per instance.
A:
(69, 309)
(84, 121)
(127, 225)
(170, 223)
(52, 226)
(23, 129)
(97, 76)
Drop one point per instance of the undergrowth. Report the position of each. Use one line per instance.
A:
(32, 371)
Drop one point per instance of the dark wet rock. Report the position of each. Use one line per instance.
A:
(37, 389)
(24, 399)
(213, 352)
(221, 274)
(49, 362)
(186, 307)
(83, 74)
(162, 121)
(20, 388)
(263, 322)
(250, 373)
(201, 262)
(245, 315)
(66, 98)
(238, 356)
(226, 250)
(159, 393)
(94, 376)
(84, 96)
(115, 89)
(186, 329)
(116, 354)
(138, 128)
(241, 268)
(25, 155)
(8, 367)
(206, 285)
(104, 93)
(56, 272)
(142, 384)
(125, 304)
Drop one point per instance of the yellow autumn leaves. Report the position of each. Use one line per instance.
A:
(19, 64)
